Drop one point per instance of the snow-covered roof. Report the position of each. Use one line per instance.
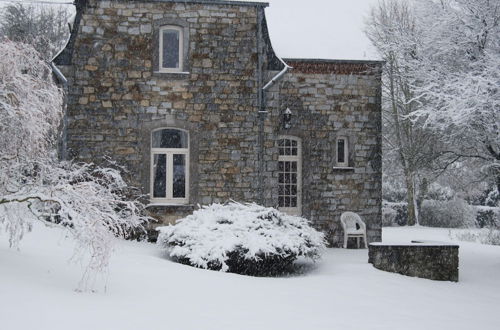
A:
(216, 2)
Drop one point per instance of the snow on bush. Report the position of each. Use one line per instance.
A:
(488, 236)
(394, 214)
(455, 213)
(241, 238)
(91, 202)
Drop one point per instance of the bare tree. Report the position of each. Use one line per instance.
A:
(43, 27)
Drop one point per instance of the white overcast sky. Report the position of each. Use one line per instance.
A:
(330, 29)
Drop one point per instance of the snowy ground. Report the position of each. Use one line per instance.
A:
(145, 291)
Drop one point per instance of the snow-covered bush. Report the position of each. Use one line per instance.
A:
(484, 236)
(455, 213)
(488, 217)
(241, 238)
(394, 214)
(91, 202)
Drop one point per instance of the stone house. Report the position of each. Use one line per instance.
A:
(190, 97)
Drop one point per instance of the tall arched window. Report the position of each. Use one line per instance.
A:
(171, 49)
(170, 166)
(290, 175)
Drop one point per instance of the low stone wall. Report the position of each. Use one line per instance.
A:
(431, 260)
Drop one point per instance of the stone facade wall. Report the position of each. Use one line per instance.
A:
(116, 98)
(330, 100)
(425, 260)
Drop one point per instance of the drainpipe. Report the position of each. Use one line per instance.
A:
(63, 145)
(262, 101)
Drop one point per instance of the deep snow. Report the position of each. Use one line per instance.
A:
(146, 291)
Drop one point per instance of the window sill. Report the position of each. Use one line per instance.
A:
(172, 72)
(168, 205)
(172, 75)
(343, 168)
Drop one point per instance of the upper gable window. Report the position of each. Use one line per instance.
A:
(171, 49)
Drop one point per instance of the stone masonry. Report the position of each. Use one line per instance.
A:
(116, 97)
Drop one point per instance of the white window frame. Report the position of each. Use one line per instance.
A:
(345, 163)
(181, 48)
(297, 158)
(169, 152)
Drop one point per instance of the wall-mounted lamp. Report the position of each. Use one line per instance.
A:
(287, 118)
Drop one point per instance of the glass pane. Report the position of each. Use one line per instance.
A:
(170, 49)
(281, 190)
(287, 190)
(287, 201)
(287, 177)
(340, 151)
(294, 151)
(281, 166)
(160, 176)
(293, 191)
(179, 181)
(287, 166)
(294, 202)
(281, 178)
(281, 201)
(294, 167)
(170, 138)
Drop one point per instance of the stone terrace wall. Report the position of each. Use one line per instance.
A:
(435, 261)
(330, 99)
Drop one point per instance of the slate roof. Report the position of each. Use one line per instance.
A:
(322, 66)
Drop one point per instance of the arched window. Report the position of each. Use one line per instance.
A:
(171, 49)
(290, 175)
(170, 166)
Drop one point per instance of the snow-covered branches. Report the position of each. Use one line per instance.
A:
(91, 202)
(30, 104)
(441, 85)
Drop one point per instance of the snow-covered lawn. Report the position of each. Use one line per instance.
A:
(146, 291)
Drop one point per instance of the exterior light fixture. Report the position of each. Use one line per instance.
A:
(287, 118)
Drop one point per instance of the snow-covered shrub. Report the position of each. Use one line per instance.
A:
(487, 216)
(455, 213)
(394, 214)
(393, 191)
(440, 193)
(93, 204)
(241, 238)
(484, 236)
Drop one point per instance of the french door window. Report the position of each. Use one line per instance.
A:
(290, 175)
(170, 166)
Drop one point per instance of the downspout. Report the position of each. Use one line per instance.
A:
(262, 101)
(63, 145)
(278, 76)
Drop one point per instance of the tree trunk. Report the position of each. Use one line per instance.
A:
(410, 198)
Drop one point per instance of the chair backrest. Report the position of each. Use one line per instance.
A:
(350, 219)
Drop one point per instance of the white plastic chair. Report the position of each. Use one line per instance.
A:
(349, 221)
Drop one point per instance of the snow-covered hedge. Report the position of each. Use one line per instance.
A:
(241, 238)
